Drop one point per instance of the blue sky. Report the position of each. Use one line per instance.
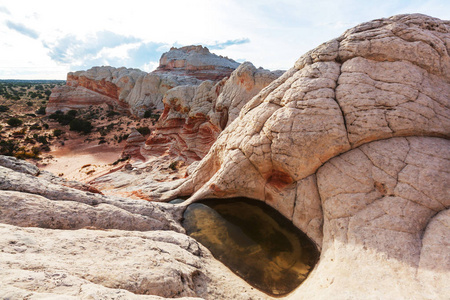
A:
(46, 39)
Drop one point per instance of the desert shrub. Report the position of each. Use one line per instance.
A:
(63, 119)
(41, 110)
(173, 165)
(35, 126)
(148, 113)
(80, 125)
(45, 148)
(36, 151)
(23, 153)
(29, 103)
(20, 132)
(14, 122)
(112, 113)
(56, 115)
(29, 140)
(40, 139)
(45, 125)
(72, 113)
(4, 108)
(121, 137)
(143, 130)
(8, 147)
(57, 132)
(120, 160)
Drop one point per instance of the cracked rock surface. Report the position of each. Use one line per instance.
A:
(351, 144)
(59, 242)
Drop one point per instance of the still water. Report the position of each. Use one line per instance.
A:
(254, 241)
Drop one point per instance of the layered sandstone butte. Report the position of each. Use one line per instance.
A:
(194, 116)
(198, 62)
(351, 144)
(135, 91)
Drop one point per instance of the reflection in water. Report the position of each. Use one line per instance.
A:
(254, 241)
(177, 201)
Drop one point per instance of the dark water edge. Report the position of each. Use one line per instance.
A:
(255, 241)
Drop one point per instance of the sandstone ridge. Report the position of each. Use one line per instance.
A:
(309, 144)
(194, 116)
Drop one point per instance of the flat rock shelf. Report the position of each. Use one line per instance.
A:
(254, 241)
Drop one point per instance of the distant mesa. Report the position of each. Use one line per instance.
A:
(198, 62)
(199, 93)
(135, 91)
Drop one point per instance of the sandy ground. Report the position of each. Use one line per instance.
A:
(82, 161)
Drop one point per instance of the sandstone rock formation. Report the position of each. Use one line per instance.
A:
(198, 62)
(129, 90)
(133, 145)
(135, 91)
(367, 208)
(62, 243)
(194, 116)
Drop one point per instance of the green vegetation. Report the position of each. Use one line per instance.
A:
(57, 132)
(14, 122)
(143, 130)
(112, 113)
(41, 110)
(63, 119)
(125, 158)
(173, 165)
(149, 114)
(80, 125)
(26, 131)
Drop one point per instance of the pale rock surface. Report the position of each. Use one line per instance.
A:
(196, 61)
(156, 215)
(78, 264)
(194, 116)
(315, 111)
(21, 166)
(122, 89)
(366, 208)
(109, 247)
(244, 83)
(134, 142)
(382, 226)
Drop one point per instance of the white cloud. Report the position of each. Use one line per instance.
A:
(272, 34)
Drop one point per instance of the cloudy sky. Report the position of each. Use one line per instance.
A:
(42, 39)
